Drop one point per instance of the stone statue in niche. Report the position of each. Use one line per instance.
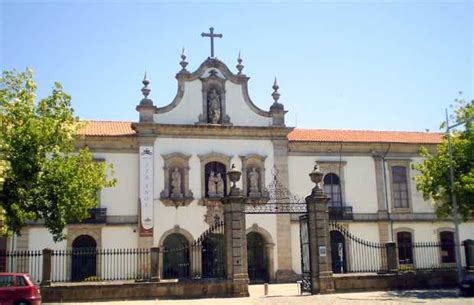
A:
(220, 185)
(176, 184)
(213, 107)
(254, 176)
(212, 185)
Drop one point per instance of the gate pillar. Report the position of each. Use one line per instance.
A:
(235, 238)
(322, 280)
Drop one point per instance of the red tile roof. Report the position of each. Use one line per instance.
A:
(117, 128)
(107, 129)
(363, 136)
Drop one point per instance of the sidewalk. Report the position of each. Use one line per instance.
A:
(283, 294)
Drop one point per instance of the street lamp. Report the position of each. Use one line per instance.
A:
(457, 248)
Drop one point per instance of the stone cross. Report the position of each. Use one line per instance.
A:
(211, 35)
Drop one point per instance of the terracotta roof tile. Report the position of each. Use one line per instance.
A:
(107, 129)
(364, 136)
(119, 128)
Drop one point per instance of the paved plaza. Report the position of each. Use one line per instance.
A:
(282, 294)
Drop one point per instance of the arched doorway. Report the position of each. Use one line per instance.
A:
(83, 258)
(256, 258)
(176, 257)
(338, 252)
(212, 256)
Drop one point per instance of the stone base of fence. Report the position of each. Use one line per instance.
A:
(107, 291)
(400, 281)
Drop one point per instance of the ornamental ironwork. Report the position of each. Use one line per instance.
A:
(278, 199)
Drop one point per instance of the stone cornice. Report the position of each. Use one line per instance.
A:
(333, 148)
(124, 144)
(211, 131)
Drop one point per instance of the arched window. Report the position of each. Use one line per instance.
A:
(332, 188)
(446, 239)
(405, 248)
(176, 257)
(400, 187)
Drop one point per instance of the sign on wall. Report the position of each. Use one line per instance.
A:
(146, 190)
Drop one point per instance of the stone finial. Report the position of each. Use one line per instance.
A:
(316, 177)
(183, 61)
(146, 108)
(239, 64)
(276, 96)
(146, 91)
(234, 176)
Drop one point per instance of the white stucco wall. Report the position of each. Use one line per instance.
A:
(359, 177)
(40, 238)
(116, 237)
(191, 106)
(122, 199)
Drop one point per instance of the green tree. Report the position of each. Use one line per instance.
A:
(42, 174)
(434, 180)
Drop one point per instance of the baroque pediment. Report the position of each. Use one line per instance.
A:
(212, 94)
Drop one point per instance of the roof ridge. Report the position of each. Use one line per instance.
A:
(363, 130)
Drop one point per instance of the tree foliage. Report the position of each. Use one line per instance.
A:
(42, 175)
(434, 180)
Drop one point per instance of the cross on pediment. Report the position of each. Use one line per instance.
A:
(211, 35)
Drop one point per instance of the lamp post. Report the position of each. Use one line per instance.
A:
(457, 247)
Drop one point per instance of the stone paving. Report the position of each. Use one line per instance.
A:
(283, 294)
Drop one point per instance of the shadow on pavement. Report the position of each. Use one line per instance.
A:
(425, 294)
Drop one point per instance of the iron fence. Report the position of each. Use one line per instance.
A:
(22, 261)
(91, 264)
(426, 256)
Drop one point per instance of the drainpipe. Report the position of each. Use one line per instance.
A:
(385, 193)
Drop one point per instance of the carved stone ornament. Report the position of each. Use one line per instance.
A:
(176, 172)
(213, 99)
(253, 171)
(214, 212)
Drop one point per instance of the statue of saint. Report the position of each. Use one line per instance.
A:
(176, 182)
(211, 185)
(220, 185)
(213, 107)
(253, 179)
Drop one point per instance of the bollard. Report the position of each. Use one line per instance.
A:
(265, 289)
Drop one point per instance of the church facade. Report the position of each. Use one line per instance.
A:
(171, 169)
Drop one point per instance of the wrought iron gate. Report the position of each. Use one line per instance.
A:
(305, 254)
(278, 199)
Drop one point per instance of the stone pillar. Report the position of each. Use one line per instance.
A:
(392, 257)
(322, 280)
(235, 239)
(382, 213)
(46, 280)
(469, 251)
(155, 264)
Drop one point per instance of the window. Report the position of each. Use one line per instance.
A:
(332, 188)
(446, 239)
(6, 280)
(399, 187)
(21, 281)
(405, 248)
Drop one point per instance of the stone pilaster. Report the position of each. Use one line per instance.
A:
(285, 272)
(379, 183)
(384, 231)
(322, 280)
(236, 243)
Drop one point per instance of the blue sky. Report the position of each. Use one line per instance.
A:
(385, 65)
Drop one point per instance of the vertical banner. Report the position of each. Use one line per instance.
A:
(146, 190)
